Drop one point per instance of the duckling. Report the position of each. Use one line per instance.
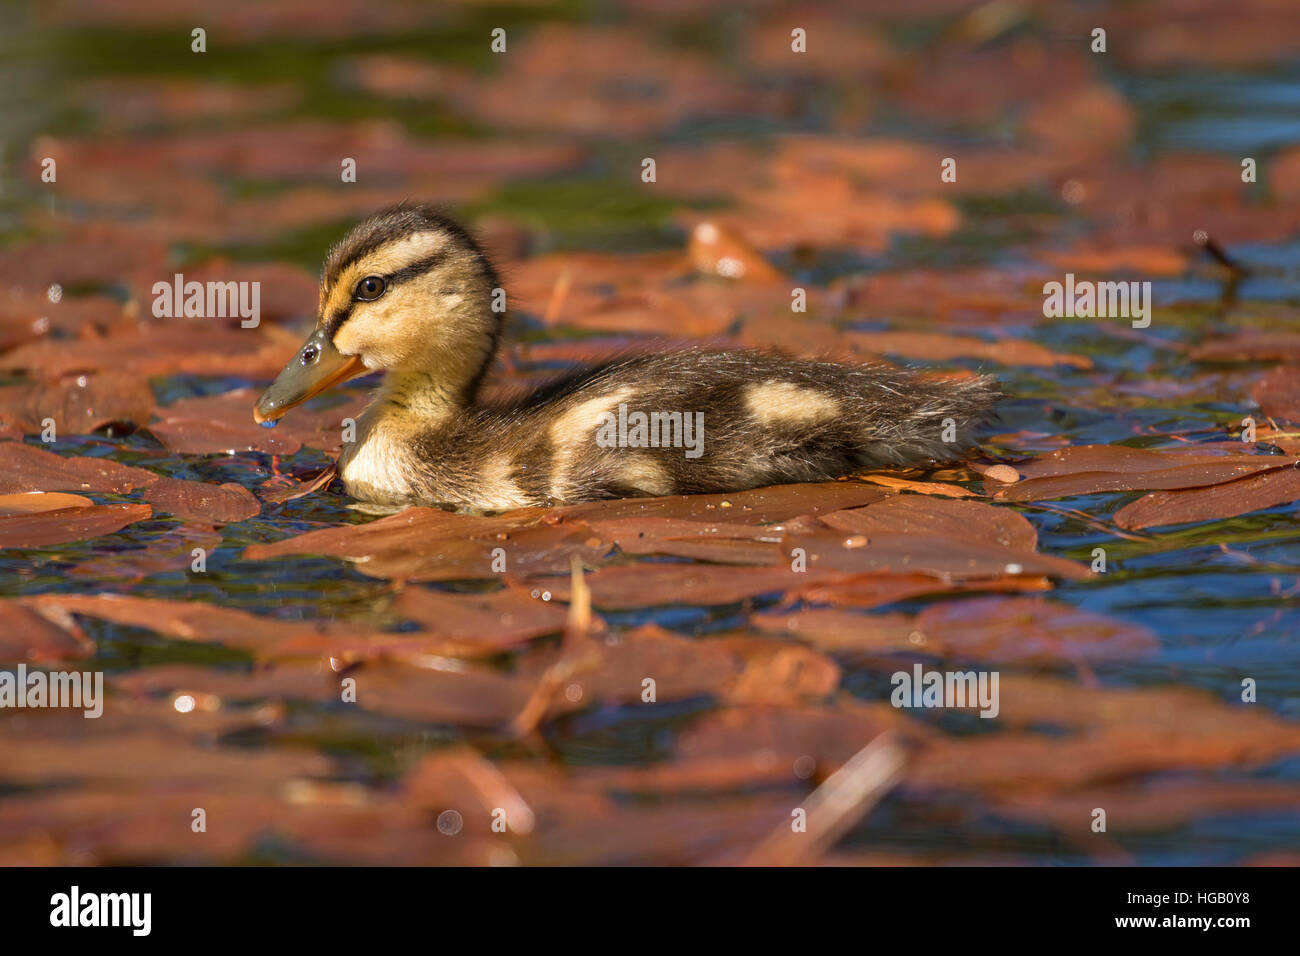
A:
(409, 292)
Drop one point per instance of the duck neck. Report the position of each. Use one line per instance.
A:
(432, 393)
(411, 401)
(443, 382)
(377, 464)
(408, 400)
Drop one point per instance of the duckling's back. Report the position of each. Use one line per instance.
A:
(697, 421)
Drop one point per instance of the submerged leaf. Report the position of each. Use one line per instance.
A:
(201, 501)
(24, 468)
(48, 528)
(1227, 500)
(1088, 469)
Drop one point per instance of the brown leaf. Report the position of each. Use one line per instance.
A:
(35, 502)
(215, 689)
(950, 294)
(1249, 347)
(215, 423)
(681, 668)
(715, 548)
(1149, 806)
(201, 501)
(30, 316)
(186, 436)
(738, 669)
(68, 524)
(480, 624)
(759, 506)
(1029, 700)
(395, 533)
(840, 631)
(647, 585)
(626, 532)
(913, 514)
(138, 823)
(721, 252)
(462, 778)
(147, 755)
(942, 489)
(876, 590)
(194, 347)
(1214, 503)
(1087, 122)
(526, 551)
(1119, 459)
(585, 80)
(26, 635)
(455, 693)
(901, 553)
(798, 208)
(267, 637)
(1278, 393)
(169, 550)
(25, 468)
(1088, 469)
(1128, 732)
(184, 620)
(1143, 260)
(1028, 630)
(934, 346)
(738, 747)
(79, 406)
(780, 673)
(93, 252)
(721, 542)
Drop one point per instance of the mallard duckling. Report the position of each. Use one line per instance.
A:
(409, 292)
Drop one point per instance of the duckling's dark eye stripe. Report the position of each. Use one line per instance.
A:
(416, 268)
(336, 320)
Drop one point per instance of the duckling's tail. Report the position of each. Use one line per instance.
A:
(799, 420)
(906, 420)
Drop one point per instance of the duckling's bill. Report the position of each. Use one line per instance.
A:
(315, 367)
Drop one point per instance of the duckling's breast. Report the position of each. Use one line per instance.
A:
(379, 467)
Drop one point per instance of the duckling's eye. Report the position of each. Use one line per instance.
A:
(371, 287)
(309, 354)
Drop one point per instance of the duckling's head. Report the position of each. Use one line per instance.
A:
(406, 291)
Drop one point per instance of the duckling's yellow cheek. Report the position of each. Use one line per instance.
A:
(348, 340)
(376, 334)
(775, 402)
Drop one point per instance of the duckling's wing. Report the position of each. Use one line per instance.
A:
(710, 421)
